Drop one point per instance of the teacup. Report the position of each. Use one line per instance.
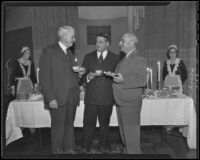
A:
(98, 71)
(75, 68)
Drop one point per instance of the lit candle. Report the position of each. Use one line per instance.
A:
(38, 75)
(147, 78)
(151, 78)
(158, 71)
(76, 61)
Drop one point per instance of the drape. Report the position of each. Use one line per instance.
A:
(45, 24)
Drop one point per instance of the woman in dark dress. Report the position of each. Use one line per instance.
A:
(22, 67)
(174, 65)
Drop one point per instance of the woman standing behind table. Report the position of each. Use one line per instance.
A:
(22, 67)
(174, 65)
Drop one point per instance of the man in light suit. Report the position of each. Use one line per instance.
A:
(129, 80)
(60, 87)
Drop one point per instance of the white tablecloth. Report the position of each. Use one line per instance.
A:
(162, 111)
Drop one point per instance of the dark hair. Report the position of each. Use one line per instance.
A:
(177, 52)
(105, 35)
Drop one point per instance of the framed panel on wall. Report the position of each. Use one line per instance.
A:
(93, 31)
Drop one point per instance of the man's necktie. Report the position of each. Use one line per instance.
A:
(68, 54)
(101, 58)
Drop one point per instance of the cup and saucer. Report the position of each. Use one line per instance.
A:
(78, 69)
(98, 73)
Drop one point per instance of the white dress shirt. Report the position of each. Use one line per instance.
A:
(104, 54)
(63, 47)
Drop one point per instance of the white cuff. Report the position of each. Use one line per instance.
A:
(88, 79)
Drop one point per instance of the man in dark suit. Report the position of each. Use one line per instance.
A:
(60, 86)
(99, 98)
(130, 78)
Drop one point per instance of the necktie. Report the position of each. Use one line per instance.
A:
(101, 58)
(67, 51)
(68, 54)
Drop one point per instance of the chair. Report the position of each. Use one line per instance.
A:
(9, 64)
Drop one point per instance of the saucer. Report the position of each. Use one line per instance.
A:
(78, 68)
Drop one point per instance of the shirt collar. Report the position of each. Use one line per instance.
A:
(63, 47)
(104, 54)
(130, 52)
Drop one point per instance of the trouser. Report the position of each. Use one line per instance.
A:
(129, 127)
(91, 113)
(62, 130)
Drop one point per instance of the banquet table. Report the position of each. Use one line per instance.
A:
(178, 111)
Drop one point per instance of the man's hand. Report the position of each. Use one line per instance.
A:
(90, 76)
(81, 72)
(53, 104)
(118, 78)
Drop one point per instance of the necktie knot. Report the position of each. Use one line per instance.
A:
(67, 50)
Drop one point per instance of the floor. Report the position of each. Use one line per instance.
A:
(173, 145)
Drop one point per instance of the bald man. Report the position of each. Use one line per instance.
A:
(129, 80)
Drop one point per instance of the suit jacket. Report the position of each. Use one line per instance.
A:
(99, 90)
(133, 69)
(56, 76)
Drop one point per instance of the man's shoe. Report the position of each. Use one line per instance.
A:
(104, 150)
(69, 152)
(93, 151)
(58, 152)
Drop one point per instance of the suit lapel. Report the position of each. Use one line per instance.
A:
(126, 61)
(120, 63)
(107, 57)
(95, 57)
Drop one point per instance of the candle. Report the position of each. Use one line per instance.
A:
(158, 71)
(38, 75)
(151, 78)
(147, 78)
(76, 61)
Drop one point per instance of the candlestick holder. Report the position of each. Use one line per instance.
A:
(159, 85)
